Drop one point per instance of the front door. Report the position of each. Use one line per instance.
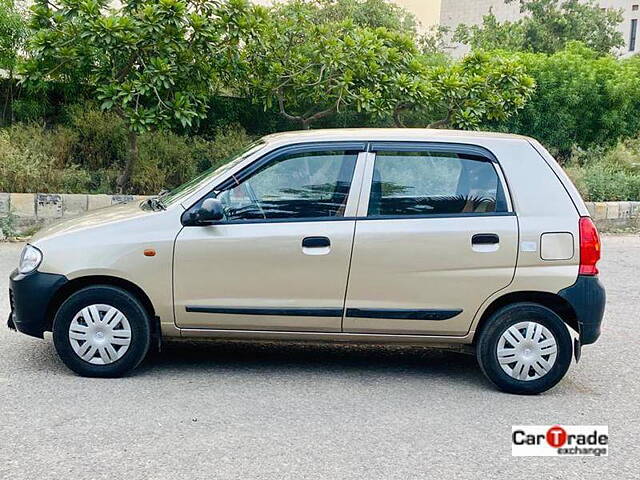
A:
(435, 237)
(280, 258)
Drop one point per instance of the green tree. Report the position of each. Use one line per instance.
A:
(367, 13)
(481, 88)
(13, 34)
(435, 41)
(582, 99)
(153, 62)
(310, 70)
(547, 26)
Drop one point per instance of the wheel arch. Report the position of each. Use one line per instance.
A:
(79, 283)
(552, 301)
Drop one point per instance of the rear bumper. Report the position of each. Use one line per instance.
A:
(587, 297)
(29, 297)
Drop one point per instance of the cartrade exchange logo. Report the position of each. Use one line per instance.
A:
(556, 440)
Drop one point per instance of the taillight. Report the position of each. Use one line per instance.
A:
(589, 247)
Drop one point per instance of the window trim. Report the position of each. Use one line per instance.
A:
(633, 35)
(249, 170)
(444, 147)
(436, 215)
(362, 177)
(236, 178)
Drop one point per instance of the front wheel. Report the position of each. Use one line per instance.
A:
(101, 331)
(525, 348)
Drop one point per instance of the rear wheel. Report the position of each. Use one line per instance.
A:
(101, 331)
(524, 348)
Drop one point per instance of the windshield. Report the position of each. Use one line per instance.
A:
(186, 189)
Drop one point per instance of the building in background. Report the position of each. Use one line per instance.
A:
(451, 13)
(427, 11)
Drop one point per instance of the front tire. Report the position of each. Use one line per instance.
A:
(101, 331)
(524, 348)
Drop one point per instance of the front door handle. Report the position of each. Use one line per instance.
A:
(316, 242)
(485, 239)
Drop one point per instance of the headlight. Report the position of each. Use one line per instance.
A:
(30, 259)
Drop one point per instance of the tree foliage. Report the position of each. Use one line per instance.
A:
(161, 64)
(482, 87)
(582, 99)
(310, 70)
(153, 62)
(13, 33)
(367, 13)
(546, 27)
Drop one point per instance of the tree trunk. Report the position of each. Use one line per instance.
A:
(125, 177)
(444, 123)
(3, 119)
(397, 117)
(7, 110)
(439, 124)
(305, 124)
(11, 98)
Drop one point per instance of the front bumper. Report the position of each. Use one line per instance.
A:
(587, 297)
(29, 298)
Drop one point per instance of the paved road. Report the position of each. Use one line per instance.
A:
(225, 410)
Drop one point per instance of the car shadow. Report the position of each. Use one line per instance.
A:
(286, 358)
(280, 359)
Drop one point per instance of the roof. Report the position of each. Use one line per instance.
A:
(388, 134)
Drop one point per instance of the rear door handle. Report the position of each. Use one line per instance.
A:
(485, 239)
(316, 242)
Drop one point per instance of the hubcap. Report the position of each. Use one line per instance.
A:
(100, 334)
(527, 351)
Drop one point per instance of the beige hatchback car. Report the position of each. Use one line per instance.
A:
(409, 236)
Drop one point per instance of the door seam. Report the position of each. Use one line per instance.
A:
(353, 242)
(346, 288)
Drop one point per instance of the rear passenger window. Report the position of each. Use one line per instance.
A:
(434, 183)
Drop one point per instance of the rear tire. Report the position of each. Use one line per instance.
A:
(101, 331)
(524, 348)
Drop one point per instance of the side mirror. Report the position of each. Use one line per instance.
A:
(210, 211)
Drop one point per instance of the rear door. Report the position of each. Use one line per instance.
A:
(435, 237)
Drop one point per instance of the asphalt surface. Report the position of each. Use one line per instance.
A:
(237, 410)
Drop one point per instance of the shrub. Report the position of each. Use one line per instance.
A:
(87, 154)
(19, 169)
(612, 175)
(227, 141)
(57, 143)
(165, 160)
(611, 185)
(31, 169)
(102, 138)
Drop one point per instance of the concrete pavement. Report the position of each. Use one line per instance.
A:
(237, 410)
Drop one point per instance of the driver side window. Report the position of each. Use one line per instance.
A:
(297, 185)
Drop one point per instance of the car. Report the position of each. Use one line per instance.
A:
(469, 240)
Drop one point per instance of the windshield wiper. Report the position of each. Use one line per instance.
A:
(155, 204)
(158, 204)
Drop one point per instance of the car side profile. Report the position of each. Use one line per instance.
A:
(414, 236)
